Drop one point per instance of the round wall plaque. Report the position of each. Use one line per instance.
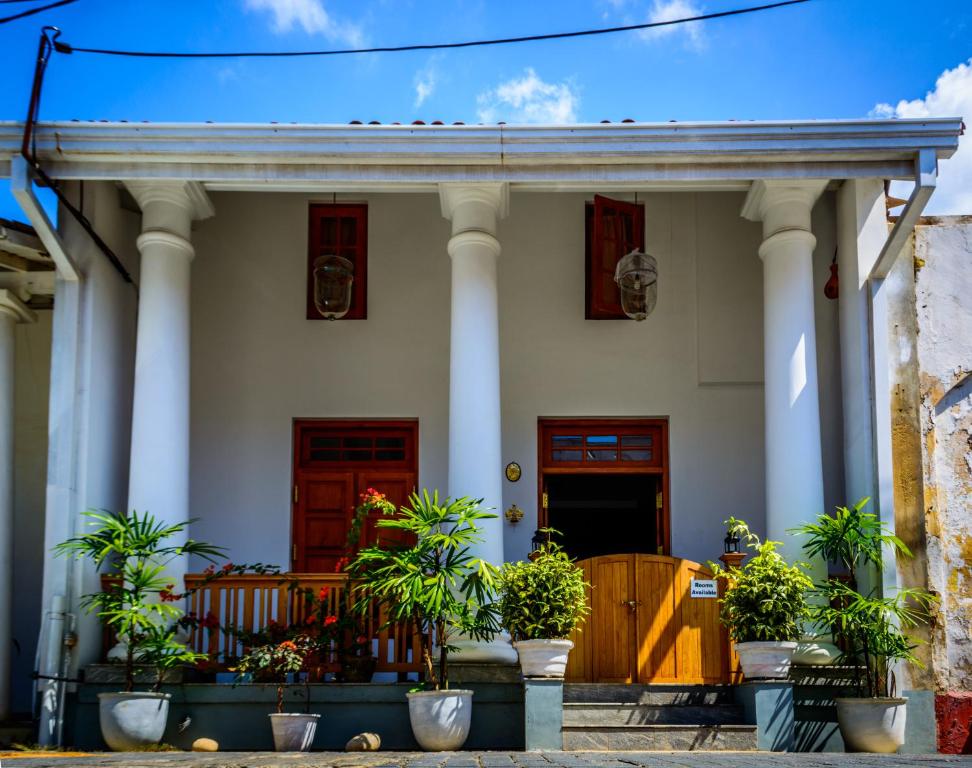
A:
(513, 472)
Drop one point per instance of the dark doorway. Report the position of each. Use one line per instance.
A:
(604, 514)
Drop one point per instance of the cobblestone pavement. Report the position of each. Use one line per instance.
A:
(483, 760)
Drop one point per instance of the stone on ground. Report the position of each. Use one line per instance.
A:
(205, 745)
(364, 742)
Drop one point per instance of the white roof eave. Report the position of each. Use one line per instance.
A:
(226, 154)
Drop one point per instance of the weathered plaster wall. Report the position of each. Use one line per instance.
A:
(33, 367)
(943, 257)
(257, 362)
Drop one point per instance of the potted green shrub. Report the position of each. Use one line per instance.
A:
(141, 608)
(439, 586)
(542, 601)
(868, 627)
(764, 606)
(278, 662)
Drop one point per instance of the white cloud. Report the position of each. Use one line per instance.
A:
(952, 97)
(426, 80)
(528, 99)
(670, 10)
(309, 15)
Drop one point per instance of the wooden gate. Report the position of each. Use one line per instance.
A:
(644, 627)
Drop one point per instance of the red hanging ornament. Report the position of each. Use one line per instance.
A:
(832, 288)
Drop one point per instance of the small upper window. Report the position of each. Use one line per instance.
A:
(340, 229)
(613, 229)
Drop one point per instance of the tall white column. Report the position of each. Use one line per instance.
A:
(12, 311)
(159, 468)
(475, 448)
(794, 470)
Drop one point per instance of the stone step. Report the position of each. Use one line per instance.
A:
(658, 695)
(652, 738)
(607, 713)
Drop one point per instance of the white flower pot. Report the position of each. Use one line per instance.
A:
(132, 720)
(872, 725)
(766, 658)
(293, 732)
(440, 719)
(543, 658)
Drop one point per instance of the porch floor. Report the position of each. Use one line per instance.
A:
(485, 760)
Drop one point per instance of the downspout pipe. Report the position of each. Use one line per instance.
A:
(926, 179)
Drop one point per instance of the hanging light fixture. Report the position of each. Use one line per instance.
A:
(637, 279)
(333, 276)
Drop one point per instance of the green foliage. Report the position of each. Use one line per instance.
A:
(435, 582)
(139, 605)
(543, 599)
(766, 598)
(868, 627)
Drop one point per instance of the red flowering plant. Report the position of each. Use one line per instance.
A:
(275, 661)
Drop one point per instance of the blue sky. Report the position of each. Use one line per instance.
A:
(823, 59)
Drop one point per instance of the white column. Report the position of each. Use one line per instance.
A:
(475, 449)
(794, 471)
(159, 469)
(12, 311)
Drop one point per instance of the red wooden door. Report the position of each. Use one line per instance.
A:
(334, 463)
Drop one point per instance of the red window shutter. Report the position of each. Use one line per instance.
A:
(340, 230)
(614, 229)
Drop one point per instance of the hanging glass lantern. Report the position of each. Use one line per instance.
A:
(333, 276)
(637, 279)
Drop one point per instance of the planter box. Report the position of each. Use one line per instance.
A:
(236, 716)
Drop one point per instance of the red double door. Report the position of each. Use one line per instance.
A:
(335, 461)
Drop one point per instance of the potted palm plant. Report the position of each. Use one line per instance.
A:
(141, 608)
(280, 662)
(764, 606)
(542, 601)
(435, 582)
(868, 626)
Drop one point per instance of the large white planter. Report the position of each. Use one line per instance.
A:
(872, 725)
(440, 719)
(132, 720)
(766, 659)
(293, 732)
(543, 658)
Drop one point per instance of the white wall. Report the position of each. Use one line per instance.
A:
(257, 363)
(31, 387)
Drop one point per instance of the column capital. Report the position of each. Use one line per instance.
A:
(12, 306)
(169, 240)
(188, 195)
(797, 195)
(474, 206)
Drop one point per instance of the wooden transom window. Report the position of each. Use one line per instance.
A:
(340, 229)
(389, 446)
(613, 229)
(600, 446)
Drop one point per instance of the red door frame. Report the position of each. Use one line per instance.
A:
(545, 466)
(342, 426)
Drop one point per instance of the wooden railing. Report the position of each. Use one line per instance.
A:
(247, 603)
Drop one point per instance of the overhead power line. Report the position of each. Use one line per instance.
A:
(32, 11)
(66, 48)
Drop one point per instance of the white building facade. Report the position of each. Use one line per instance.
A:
(180, 392)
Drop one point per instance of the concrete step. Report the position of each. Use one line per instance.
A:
(657, 695)
(651, 738)
(608, 713)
